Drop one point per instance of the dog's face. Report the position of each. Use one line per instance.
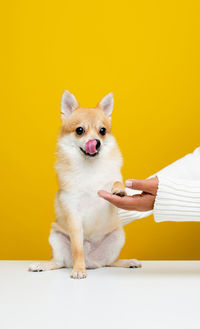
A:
(87, 131)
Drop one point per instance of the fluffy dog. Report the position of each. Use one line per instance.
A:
(87, 232)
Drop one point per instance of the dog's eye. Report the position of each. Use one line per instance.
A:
(80, 131)
(102, 131)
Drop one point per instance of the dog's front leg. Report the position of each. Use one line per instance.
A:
(76, 237)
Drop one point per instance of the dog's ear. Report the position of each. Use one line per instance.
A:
(68, 104)
(106, 104)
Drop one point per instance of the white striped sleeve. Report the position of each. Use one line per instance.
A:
(128, 216)
(177, 200)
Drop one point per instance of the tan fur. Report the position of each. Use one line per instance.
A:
(77, 250)
(67, 225)
(118, 189)
(90, 118)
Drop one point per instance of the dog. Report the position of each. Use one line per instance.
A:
(87, 232)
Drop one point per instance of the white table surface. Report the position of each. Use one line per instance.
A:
(162, 294)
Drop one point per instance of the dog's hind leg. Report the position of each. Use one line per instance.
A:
(127, 263)
(104, 252)
(61, 252)
(44, 266)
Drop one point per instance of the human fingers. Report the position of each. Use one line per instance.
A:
(139, 202)
(146, 185)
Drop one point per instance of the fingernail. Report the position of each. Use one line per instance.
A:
(128, 183)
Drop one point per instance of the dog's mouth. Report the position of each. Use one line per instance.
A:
(89, 154)
(92, 147)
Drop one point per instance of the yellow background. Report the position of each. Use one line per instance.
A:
(147, 53)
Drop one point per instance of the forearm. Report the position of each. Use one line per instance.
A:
(177, 200)
(185, 170)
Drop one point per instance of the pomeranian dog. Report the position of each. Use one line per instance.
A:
(87, 232)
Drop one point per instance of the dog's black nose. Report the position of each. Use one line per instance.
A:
(98, 144)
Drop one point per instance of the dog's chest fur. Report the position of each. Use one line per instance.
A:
(84, 181)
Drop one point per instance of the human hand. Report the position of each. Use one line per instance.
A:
(140, 202)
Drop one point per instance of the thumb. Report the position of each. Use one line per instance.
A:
(145, 185)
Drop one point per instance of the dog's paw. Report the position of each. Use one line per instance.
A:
(120, 193)
(134, 263)
(118, 189)
(78, 274)
(39, 267)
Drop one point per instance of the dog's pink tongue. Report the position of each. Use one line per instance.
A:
(90, 146)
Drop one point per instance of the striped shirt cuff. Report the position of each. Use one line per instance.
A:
(177, 200)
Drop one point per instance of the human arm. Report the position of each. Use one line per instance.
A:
(185, 170)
